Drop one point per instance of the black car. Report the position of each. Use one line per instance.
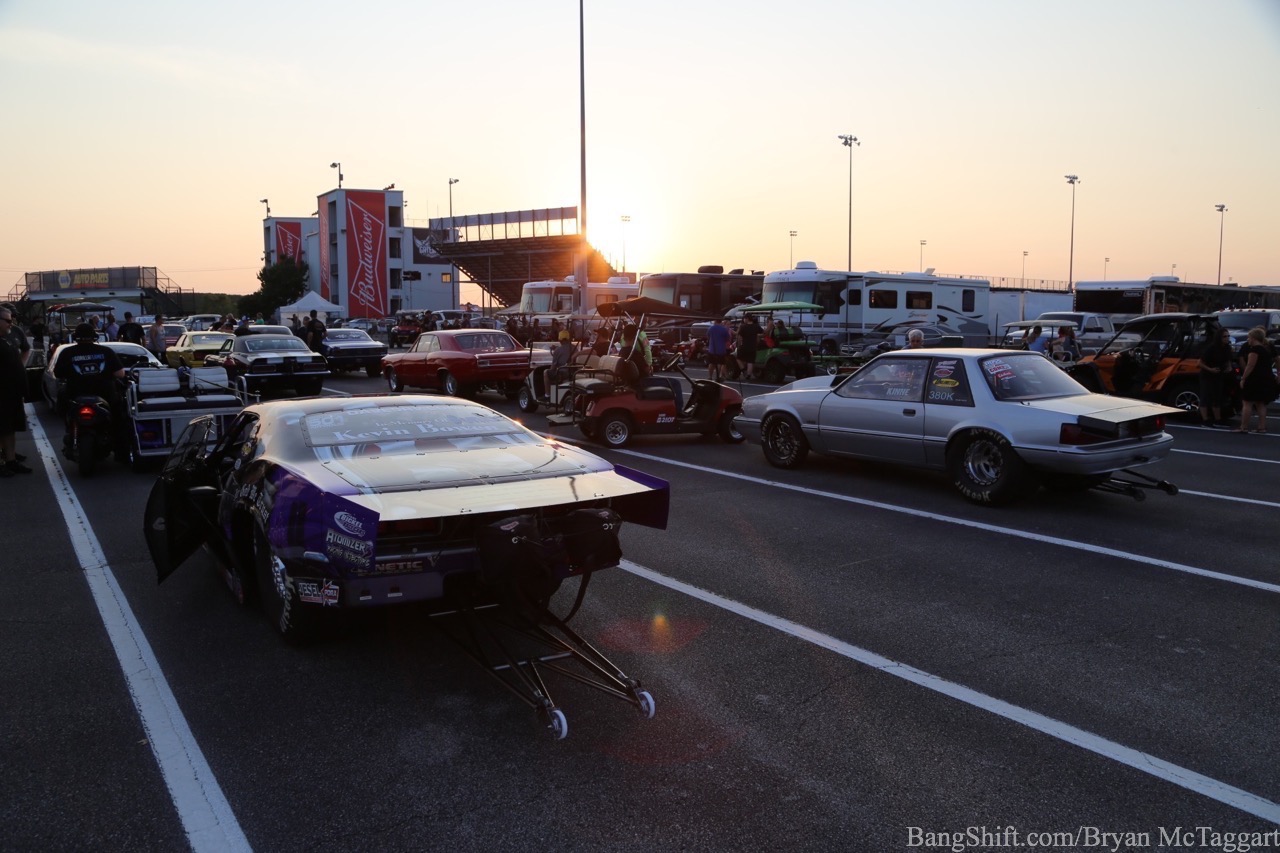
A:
(352, 349)
(271, 363)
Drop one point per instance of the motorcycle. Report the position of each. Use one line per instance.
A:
(611, 405)
(91, 433)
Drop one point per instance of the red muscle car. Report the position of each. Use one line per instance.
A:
(460, 362)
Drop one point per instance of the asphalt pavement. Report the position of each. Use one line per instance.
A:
(844, 657)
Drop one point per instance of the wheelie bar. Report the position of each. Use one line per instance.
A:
(483, 638)
(1134, 487)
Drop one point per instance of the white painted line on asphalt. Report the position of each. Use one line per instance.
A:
(1253, 501)
(1228, 456)
(206, 816)
(964, 522)
(1144, 762)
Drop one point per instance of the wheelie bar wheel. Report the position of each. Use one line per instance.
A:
(647, 706)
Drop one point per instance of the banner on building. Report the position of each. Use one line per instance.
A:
(323, 212)
(423, 251)
(289, 241)
(366, 254)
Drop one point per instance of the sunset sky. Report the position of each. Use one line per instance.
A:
(144, 133)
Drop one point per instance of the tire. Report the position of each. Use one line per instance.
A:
(449, 384)
(279, 596)
(393, 381)
(588, 431)
(783, 441)
(1185, 396)
(86, 457)
(526, 401)
(986, 469)
(371, 370)
(775, 373)
(568, 402)
(615, 430)
(310, 389)
(728, 432)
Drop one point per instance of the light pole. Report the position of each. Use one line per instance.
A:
(268, 204)
(791, 254)
(582, 265)
(1105, 262)
(336, 165)
(453, 269)
(922, 245)
(1221, 223)
(1071, 257)
(849, 141)
(1173, 270)
(1024, 268)
(625, 220)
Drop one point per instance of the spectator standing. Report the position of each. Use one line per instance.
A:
(155, 339)
(748, 344)
(1064, 347)
(295, 325)
(1215, 368)
(131, 332)
(315, 331)
(915, 339)
(718, 337)
(560, 359)
(112, 329)
(1257, 383)
(242, 328)
(13, 392)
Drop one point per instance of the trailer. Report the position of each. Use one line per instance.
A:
(161, 402)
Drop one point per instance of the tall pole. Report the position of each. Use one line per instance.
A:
(791, 254)
(268, 204)
(848, 141)
(1024, 268)
(1070, 263)
(584, 260)
(1221, 223)
(625, 220)
(922, 245)
(453, 268)
(1105, 263)
(336, 165)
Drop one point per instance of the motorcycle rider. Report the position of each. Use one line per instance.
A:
(89, 370)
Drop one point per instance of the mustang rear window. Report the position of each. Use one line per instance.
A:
(386, 425)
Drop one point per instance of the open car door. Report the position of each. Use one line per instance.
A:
(179, 513)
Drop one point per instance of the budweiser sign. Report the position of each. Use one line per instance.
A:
(366, 254)
(324, 246)
(289, 241)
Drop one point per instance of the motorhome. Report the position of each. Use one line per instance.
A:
(1164, 293)
(560, 300)
(861, 308)
(710, 289)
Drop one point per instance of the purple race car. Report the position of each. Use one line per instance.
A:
(330, 503)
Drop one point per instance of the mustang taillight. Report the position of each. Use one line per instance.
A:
(410, 527)
(86, 413)
(1075, 434)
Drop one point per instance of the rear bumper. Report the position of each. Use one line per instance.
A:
(1098, 459)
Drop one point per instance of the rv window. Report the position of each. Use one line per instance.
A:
(827, 294)
(919, 299)
(968, 298)
(877, 298)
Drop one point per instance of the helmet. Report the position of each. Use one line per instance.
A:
(85, 332)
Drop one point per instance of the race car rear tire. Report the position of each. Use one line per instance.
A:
(986, 469)
(783, 441)
(279, 595)
(393, 381)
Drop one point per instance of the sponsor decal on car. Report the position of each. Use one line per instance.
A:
(348, 523)
(323, 592)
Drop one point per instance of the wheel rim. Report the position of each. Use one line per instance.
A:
(616, 432)
(391, 379)
(1187, 400)
(782, 439)
(983, 463)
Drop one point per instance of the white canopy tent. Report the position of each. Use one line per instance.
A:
(311, 301)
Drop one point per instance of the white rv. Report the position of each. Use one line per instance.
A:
(859, 308)
(561, 300)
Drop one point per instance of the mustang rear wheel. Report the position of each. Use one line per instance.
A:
(986, 469)
(783, 441)
(393, 381)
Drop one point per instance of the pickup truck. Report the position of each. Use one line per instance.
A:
(1093, 331)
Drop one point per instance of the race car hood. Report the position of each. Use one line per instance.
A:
(486, 480)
